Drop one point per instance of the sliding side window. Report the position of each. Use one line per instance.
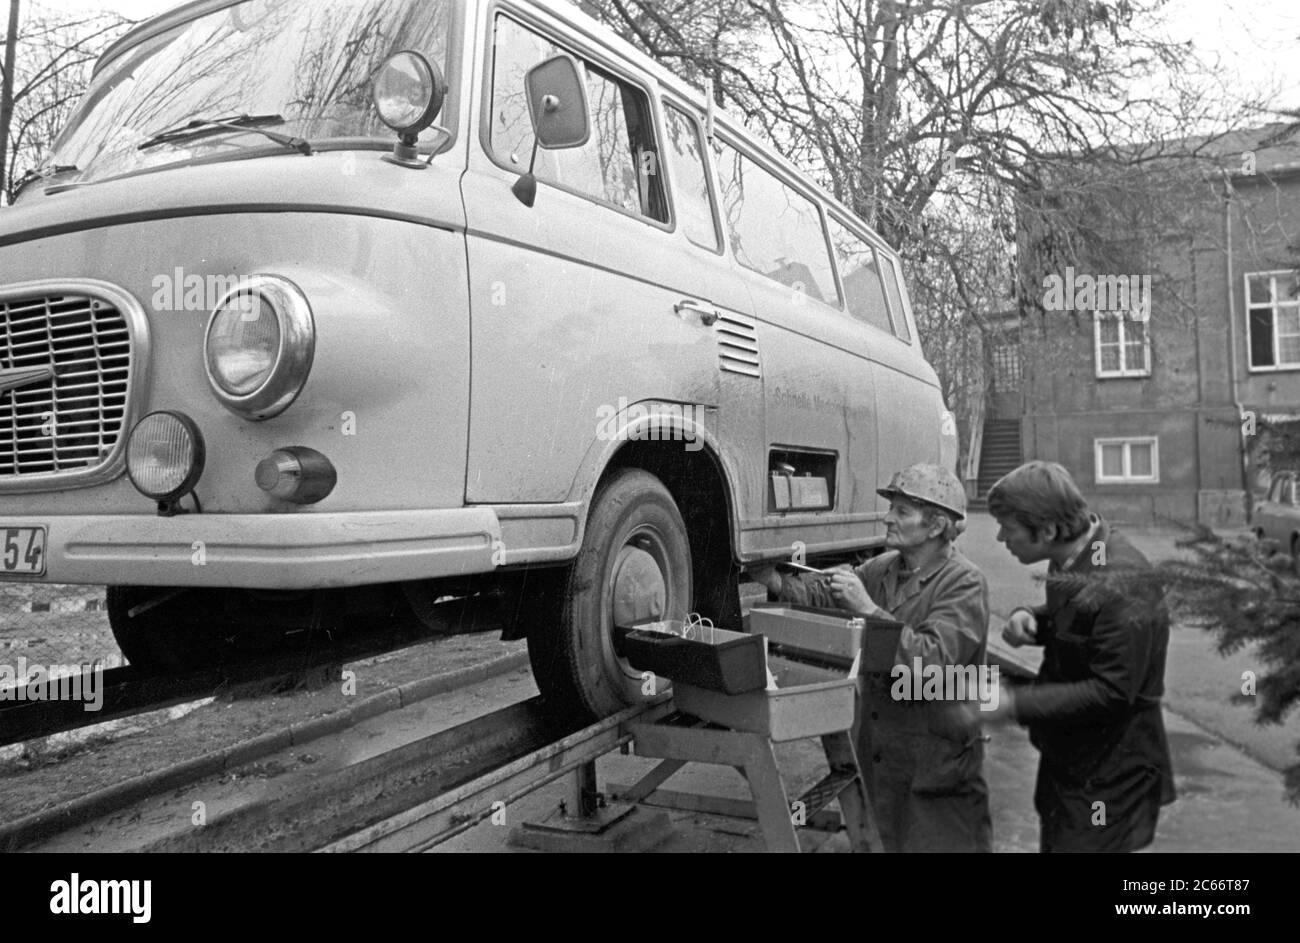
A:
(864, 294)
(774, 229)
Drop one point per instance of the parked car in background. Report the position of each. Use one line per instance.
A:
(1277, 517)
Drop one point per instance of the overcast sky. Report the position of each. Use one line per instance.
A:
(1255, 40)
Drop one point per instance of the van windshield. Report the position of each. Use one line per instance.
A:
(310, 63)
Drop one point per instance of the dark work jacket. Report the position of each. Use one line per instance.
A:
(923, 759)
(1094, 709)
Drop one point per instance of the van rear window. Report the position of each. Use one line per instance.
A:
(618, 165)
(773, 229)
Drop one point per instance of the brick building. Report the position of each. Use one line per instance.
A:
(1147, 413)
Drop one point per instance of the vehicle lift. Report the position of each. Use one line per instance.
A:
(680, 739)
(809, 695)
(738, 731)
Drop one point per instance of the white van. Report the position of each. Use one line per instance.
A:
(291, 336)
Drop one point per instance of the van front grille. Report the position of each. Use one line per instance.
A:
(65, 372)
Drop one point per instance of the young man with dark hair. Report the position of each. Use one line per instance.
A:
(923, 760)
(1094, 710)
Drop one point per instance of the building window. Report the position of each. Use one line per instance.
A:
(1006, 367)
(1123, 346)
(1273, 320)
(1127, 460)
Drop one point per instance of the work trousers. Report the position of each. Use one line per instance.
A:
(915, 822)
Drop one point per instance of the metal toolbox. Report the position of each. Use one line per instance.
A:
(806, 710)
(827, 636)
(713, 659)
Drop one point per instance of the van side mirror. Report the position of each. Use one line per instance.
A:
(557, 108)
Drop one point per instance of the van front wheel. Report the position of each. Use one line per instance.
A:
(635, 564)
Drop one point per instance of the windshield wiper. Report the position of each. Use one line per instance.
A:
(33, 175)
(202, 127)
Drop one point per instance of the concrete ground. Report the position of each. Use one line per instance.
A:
(1227, 769)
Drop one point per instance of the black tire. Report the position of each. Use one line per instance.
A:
(172, 629)
(636, 559)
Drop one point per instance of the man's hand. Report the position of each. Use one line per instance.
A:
(1021, 629)
(851, 594)
(766, 574)
(1005, 710)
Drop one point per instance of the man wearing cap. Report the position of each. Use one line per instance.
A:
(923, 759)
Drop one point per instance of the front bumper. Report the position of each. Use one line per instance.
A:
(266, 551)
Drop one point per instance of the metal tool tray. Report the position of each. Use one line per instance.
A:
(805, 710)
(828, 636)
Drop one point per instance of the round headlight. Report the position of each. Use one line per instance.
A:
(243, 343)
(408, 92)
(259, 346)
(165, 455)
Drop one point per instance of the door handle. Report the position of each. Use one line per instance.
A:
(708, 316)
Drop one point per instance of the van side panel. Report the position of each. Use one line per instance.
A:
(821, 395)
(573, 315)
(910, 413)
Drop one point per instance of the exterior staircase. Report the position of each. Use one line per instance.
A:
(999, 452)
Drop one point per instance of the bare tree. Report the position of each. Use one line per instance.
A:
(47, 70)
(955, 126)
(7, 83)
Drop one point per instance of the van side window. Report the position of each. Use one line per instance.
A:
(617, 165)
(895, 288)
(773, 229)
(864, 294)
(694, 205)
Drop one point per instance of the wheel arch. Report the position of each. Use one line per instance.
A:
(695, 470)
(625, 440)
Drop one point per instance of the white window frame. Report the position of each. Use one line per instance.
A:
(1272, 306)
(1124, 369)
(1127, 478)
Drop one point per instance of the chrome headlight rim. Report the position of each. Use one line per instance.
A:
(293, 356)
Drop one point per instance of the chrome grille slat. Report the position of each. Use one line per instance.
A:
(89, 344)
(65, 345)
(71, 388)
(33, 404)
